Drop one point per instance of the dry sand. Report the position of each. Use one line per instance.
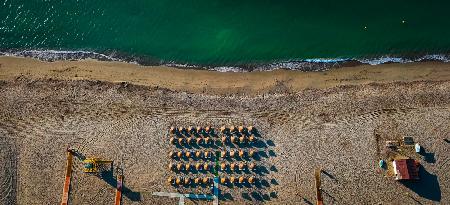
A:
(336, 120)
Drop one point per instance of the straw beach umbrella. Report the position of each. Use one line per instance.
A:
(241, 179)
(232, 153)
(189, 140)
(207, 155)
(223, 166)
(172, 130)
(187, 166)
(206, 180)
(180, 141)
(241, 153)
(232, 166)
(241, 129)
(198, 166)
(178, 181)
(241, 166)
(180, 154)
(187, 181)
(232, 129)
(224, 140)
(190, 129)
(232, 179)
(242, 139)
(207, 140)
(198, 154)
(180, 167)
(188, 154)
(251, 153)
(223, 154)
(233, 139)
(252, 166)
(251, 180)
(223, 129)
(223, 180)
(250, 129)
(171, 166)
(170, 180)
(252, 138)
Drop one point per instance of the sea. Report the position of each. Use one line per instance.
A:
(228, 35)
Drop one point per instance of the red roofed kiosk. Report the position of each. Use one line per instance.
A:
(406, 169)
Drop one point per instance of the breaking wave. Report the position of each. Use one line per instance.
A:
(318, 64)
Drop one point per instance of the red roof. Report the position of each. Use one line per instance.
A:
(406, 169)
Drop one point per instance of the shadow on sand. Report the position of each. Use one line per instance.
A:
(109, 178)
(259, 196)
(427, 187)
(428, 156)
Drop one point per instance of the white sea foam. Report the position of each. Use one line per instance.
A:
(318, 64)
(53, 55)
(381, 60)
(227, 69)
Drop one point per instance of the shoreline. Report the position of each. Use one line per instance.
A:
(221, 83)
(311, 64)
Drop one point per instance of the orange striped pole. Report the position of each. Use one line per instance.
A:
(65, 195)
(318, 190)
(119, 189)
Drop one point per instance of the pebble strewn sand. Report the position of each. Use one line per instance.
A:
(332, 128)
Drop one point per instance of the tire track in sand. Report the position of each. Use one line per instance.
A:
(8, 171)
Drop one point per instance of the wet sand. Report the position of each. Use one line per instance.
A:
(212, 82)
(336, 120)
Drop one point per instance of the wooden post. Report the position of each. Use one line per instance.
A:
(65, 195)
(119, 190)
(318, 191)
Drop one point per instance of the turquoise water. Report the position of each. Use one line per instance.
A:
(228, 32)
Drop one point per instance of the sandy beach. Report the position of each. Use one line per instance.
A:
(211, 82)
(337, 120)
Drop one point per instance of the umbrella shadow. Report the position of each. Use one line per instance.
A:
(226, 197)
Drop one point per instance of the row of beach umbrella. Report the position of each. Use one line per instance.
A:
(208, 140)
(209, 155)
(242, 166)
(207, 180)
(210, 130)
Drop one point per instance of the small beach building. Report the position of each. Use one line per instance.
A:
(406, 169)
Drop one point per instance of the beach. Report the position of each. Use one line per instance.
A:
(220, 83)
(336, 120)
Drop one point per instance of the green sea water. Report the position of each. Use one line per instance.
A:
(229, 32)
